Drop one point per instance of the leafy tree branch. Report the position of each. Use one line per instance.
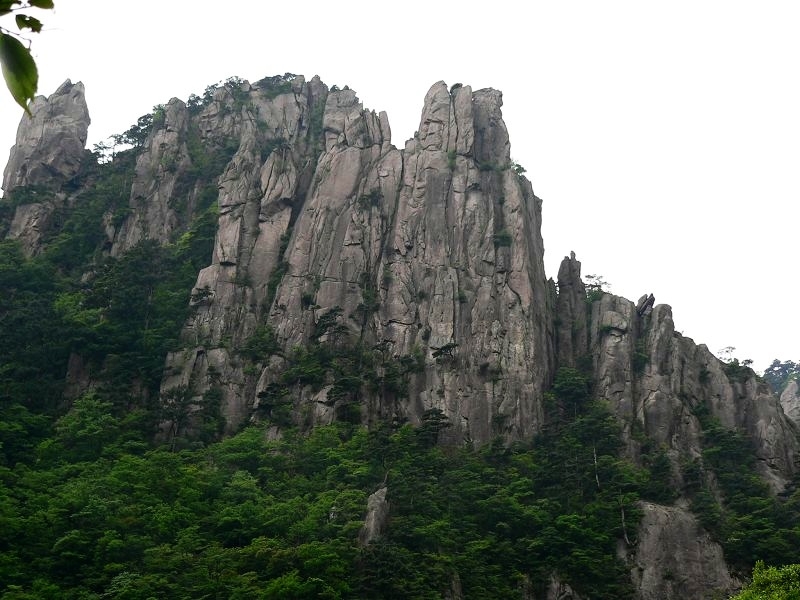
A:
(19, 68)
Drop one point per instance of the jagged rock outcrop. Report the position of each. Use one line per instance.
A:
(676, 558)
(465, 267)
(257, 200)
(50, 143)
(377, 517)
(336, 246)
(47, 154)
(153, 205)
(572, 334)
(656, 382)
(790, 401)
(435, 246)
(655, 379)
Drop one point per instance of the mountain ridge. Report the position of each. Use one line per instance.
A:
(350, 280)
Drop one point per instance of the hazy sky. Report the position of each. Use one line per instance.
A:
(663, 137)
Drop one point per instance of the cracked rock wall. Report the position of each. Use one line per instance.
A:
(48, 153)
(654, 379)
(438, 244)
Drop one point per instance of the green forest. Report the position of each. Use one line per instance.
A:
(94, 504)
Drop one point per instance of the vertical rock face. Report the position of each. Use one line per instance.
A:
(437, 246)
(572, 339)
(262, 187)
(159, 167)
(337, 240)
(464, 258)
(50, 142)
(48, 153)
(377, 517)
(675, 558)
(655, 380)
(790, 401)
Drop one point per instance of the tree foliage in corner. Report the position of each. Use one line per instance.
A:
(19, 68)
(772, 583)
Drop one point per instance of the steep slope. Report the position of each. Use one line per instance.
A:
(467, 235)
(437, 246)
(656, 380)
(48, 153)
(154, 194)
(667, 392)
(790, 401)
(50, 143)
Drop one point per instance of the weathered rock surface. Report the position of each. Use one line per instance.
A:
(656, 378)
(572, 335)
(258, 196)
(32, 220)
(675, 558)
(432, 246)
(50, 143)
(153, 207)
(464, 257)
(790, 401)
(377, 517)
(336, 245)
(47, 154)
(655, 381)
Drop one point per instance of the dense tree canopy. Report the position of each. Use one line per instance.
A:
(98, 511)
(772, 583)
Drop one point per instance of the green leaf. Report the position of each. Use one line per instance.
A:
(5, 6)
(26, 22)
(19, 70)
(41, 3)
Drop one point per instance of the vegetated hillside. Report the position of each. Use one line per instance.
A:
(251, 349)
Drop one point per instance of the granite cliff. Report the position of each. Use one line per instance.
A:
(429, 258)
(48, 153)
(434, 246)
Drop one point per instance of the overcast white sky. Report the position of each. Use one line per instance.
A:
(664, 137)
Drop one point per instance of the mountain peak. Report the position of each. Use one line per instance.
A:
(50, 143)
